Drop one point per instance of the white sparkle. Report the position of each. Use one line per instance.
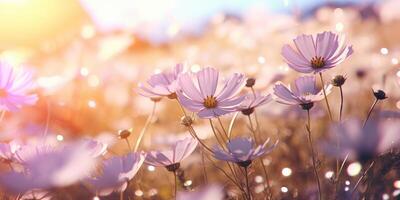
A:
(139, 193)
(286, 171)
(354, 169)
(151, 168)
(92, 104)
(329, 174)
(188, 183)
(60, 138)
(284, 189)
(384, 51)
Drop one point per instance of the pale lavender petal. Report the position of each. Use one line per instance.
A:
(208, 81)
(305, 45)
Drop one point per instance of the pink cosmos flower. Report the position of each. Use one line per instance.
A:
(252, 101)
(171, 158)
(45, 168)
(163, 84)
(316, 54)
(303, 92)
(242, 151)
(15, 85)
(116, 173)
(202, 97)
(214, 192)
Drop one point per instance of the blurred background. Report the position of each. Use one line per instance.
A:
(89, 56)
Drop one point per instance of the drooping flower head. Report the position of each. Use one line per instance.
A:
(241, 151)
(199, 94)
(15, 85)
(252, 101)
(171, 158)
(363, 143)
(94, 147)
(116, 173)
(316, 54)
(162, 84)
(214, 192)
(303, 92)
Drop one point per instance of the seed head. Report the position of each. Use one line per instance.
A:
(380, 95)
(250, 82)
(338, 80)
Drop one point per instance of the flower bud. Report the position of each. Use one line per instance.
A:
(186, 120)
(250, 82)
(380, 94)
(338, 80)
(123, 134)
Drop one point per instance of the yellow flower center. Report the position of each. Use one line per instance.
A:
(3, 93)
(317, 62)
(210, 102)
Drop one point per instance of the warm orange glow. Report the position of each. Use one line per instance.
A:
(30, 22)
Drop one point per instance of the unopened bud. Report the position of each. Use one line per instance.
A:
(338, 80)
(123, 134)
(186, 121)
(380, 94)
(250, 82)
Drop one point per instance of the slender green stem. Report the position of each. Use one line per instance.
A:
(230, 128)
(121, 195)
(145, 127)
(313, 154)
(370, 111)
(175, 187)
(129, 145)
(221, 143)
(261, 161)
(326, 98)
(247, 184)
(361, 177)
(341, 103)
(204, 168)
(223, 129)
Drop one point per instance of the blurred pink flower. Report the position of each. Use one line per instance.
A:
(116, 173)
(211, 192)
(171, 158)
(14, 87)
(94, 147)
(303, 92)
(252, 101)
(8, 150)
(45, 168)
(203, 97)
(363, 143)
(163, 84)
(241, 151)
(316, 54)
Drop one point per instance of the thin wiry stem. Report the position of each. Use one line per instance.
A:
(361, 177)
(341, 103)
(261, 161)
(121, 195)
(193, 133)
(337, 178)
(370, 111)
(129, 145)
(204, 168)
(175, 187)
(146, 126)
(223, 129)
(308, 127)
(230, 128)
(326, 98)
(216, 135)
(247, 184)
